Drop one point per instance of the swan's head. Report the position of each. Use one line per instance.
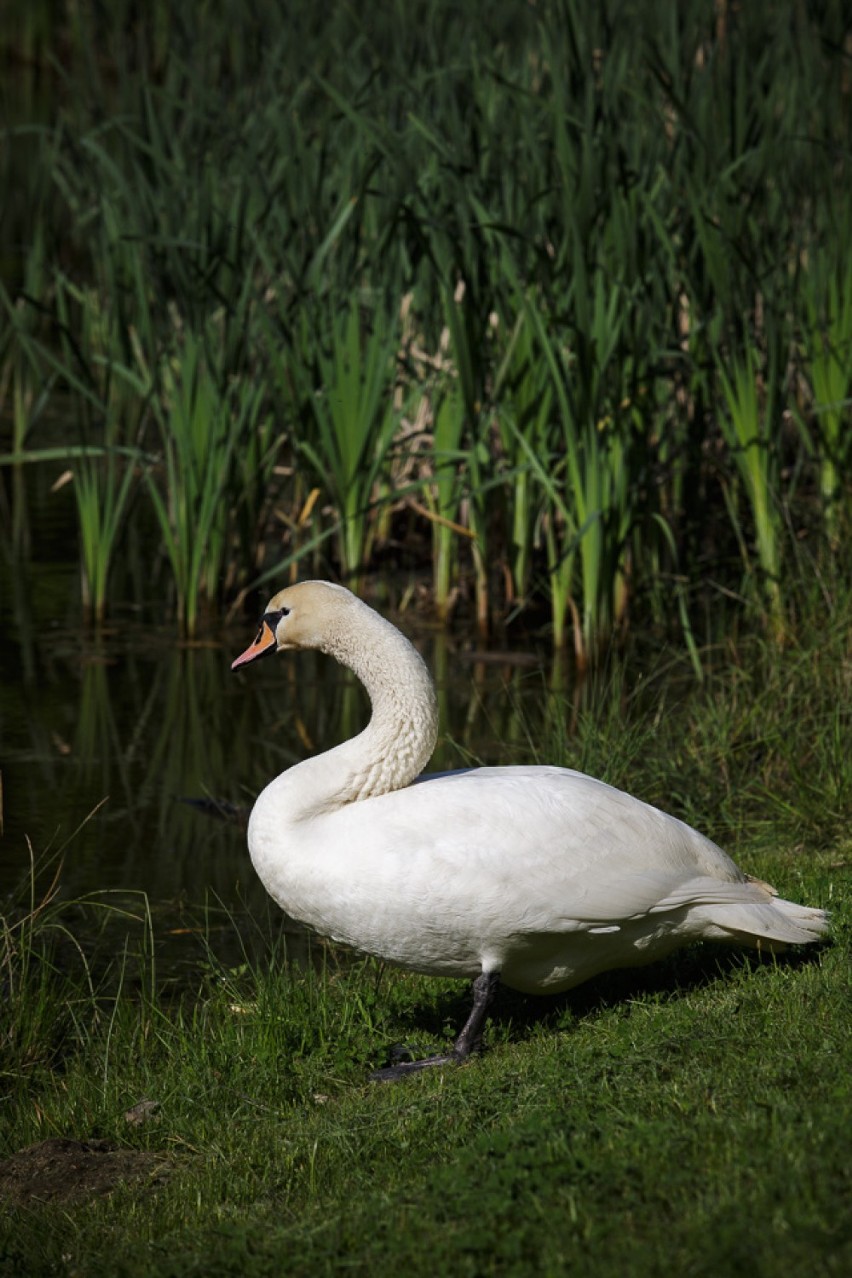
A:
(302, 616)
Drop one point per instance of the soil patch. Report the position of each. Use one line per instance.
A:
(60, 1170)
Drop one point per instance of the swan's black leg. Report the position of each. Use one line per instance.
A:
(469, 1040)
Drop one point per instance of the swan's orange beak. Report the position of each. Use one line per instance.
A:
(265, 642)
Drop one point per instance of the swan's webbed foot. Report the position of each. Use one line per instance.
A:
(403, 1068)
(468, 1041)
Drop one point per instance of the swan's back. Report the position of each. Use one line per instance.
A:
(542, 873)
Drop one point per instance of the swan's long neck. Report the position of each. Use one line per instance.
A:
(400, 737)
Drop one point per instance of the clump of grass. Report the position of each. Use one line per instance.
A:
(29, 995)
(46, 997)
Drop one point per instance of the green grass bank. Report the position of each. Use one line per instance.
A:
(692, 1117)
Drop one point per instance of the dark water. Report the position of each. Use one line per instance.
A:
(142, 721)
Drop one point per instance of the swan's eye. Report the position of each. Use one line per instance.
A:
(271, 619)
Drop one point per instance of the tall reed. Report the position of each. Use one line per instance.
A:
(586, 477)
(748, 425)
(524, 396)
(202, 428)
(443, 490)
(341, 375)
(617, 170)
(827, 341)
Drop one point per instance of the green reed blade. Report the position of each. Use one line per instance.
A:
(827, 288)
(444, 491)
(750, 430)
(102, 491)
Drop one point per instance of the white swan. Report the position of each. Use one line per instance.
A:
(539, 876)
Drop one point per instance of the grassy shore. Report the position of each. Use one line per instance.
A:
(692, 1117)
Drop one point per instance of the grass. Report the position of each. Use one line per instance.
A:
(649, 1120)
(689, 1117)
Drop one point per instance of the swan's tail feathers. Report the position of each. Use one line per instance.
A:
(771, 926)
(794, 924)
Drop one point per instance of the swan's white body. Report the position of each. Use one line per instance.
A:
(541, 874)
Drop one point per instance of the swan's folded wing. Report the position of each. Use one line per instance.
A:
(618, 900)
(708, 907)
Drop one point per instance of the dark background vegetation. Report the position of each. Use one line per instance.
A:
(543, 308)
